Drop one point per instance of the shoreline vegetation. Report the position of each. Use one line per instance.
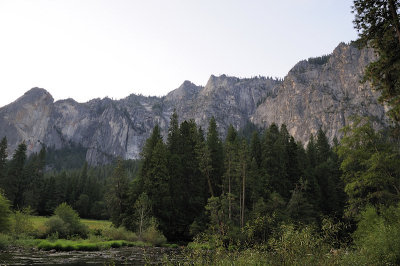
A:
(28, 231)
(331, 204)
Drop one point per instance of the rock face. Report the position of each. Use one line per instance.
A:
(323, 94)
(316, 93)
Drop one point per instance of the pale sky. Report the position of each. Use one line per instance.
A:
(85, 49)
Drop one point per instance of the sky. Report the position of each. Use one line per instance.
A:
(85, 49)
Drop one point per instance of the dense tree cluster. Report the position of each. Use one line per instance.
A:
(241, 188)
(29, 181)
(196, 182)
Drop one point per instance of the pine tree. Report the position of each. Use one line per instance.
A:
(243, 170)
(370, 166)
(255, 148)
(275, 159)
(3, 161)
(215, 148)
(17, 177)
(231, 162)
(118, 194)
(378, 24)
(323, 149)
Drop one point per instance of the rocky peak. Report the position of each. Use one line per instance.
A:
(186, 91)
(26, 119)
(216, 84)
(318, 92)
(35, 95)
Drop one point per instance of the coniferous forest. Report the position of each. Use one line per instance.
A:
(243, 190)
(251, 196)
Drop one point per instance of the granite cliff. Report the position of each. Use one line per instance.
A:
(319, 92)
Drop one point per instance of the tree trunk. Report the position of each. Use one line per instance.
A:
(244, 191)
(229, 190)
(209, 184)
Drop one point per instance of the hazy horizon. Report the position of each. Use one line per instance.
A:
(96, 49)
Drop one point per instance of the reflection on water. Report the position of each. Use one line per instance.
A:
(120, 256)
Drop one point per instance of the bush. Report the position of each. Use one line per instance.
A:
(4, 241)
(377, 238)
(56, 226)
(4, 213)
(22, 223)
(66, 223)
(302, 246)
(153, 235)
(119, 233)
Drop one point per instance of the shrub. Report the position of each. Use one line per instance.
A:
(303, 246)
(153, 235)
(22, 223)
(377, 238)
(4, 213)
(66, 223)
(56, 226)
(4, 241)
(119, 233)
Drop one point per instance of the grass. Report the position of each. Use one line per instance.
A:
(39, 226)
(87, 245)
(102, 236)
(39, 221)
(96, 224)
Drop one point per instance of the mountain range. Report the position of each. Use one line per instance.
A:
(322, 92)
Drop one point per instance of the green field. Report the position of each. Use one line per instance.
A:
(87, 244)
(39, 223)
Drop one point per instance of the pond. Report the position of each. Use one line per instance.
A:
(120, 256)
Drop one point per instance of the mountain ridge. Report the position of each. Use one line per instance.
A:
(318, 92)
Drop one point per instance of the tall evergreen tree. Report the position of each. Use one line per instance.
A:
(255, 148)
(118, 194)
(3, 161)
(370, 165)
(275, 159)
(156, 184)
(378, 24)
(323, 149)
(231, 174)
(243, 170)
(17, 180)
(215, 148)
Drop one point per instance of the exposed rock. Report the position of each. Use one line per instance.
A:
(323, 95)
(314, 94)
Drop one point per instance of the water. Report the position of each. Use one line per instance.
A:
(120, 256)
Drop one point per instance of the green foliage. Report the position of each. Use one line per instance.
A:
(378, 24)
(86, 245)
(56, 227)
(300, 246)
(370, 166)
(299, 208)
(70, 157)
(142, 213)
(118, 193)
(22, 224)
(66, 222)
(171, 179)
(153, 235)
(17, 177)
(5, 241)
(5, 213)
(214, 153)
(3, 161)
(119, 233)
(377, 238)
